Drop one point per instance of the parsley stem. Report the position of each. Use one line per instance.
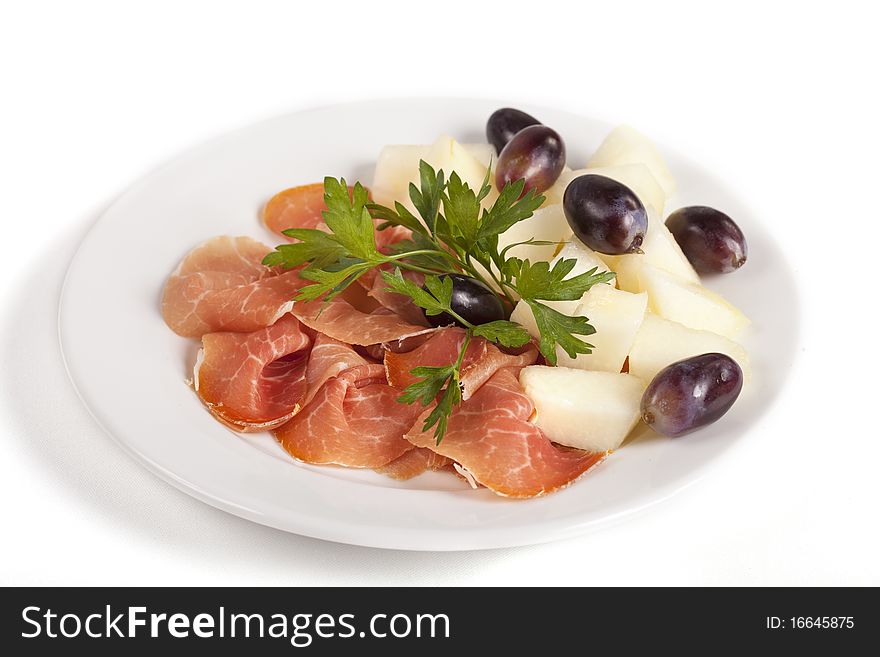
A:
(464, 346)
(501, 286)
(424, 270)
(409, 254)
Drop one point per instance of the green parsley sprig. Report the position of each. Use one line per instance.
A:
(453, 234)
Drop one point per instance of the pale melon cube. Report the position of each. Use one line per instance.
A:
(639, 179)
(626, 269)
(483, 153)
(636, 176)
(588, 410)
(626, 145)
(398, 165)
(547, 224)
(691, 305)
(522, 314)
(554, 194)
(587, 259)
(660, 250)
(616, 316)
(449, 155)
(660, 342)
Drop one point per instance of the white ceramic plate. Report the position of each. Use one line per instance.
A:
(129, 368)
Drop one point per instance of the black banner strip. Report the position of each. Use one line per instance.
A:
(434, 621)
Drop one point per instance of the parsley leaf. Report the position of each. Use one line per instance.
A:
(427, 198)
(315, 246)
(539, 281)
(329, 283)
(399, 216)
(348, 218)
(435, 300)
(461, 209)
(440, 415)
(432, 380)
(508, 334)
(509, 209)
(556, 328)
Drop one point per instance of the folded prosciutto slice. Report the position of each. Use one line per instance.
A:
(491, 437)
(254, 381)
(297, 207)
(354, 420)
(303, 207)
(481, 360)
(342, 321)
(222, 285)
(401, 305)
(413, 463)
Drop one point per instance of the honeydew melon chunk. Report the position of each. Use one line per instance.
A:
(636, 176)
(395, 167)
(616, 315)
(483, 153)
(554, 194)
(626, 145)
(587, 259)
(659, 250)
(522, 314)
(691, 305)
(594, 411)
(398, 165)
(449, 155)
(547, 224)
(660, 342)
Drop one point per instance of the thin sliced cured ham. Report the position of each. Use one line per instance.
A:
(413, 463)
(303, 207)
(222, 285)
(297, 207)
(481, 360)
(342, 321)
(329, 358)
(254, 381)
(491, 437)
(354, 420)
(400, 304)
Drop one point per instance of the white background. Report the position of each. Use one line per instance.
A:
(779, 99)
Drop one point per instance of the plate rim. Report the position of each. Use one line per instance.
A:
(422, 539)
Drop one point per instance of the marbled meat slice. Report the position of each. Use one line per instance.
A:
(297, 207)
(303, 207)
(254, 381)
(329, 358)
(491, 437)
(400, 304)
(354, 420)
(222, 285)
(342, 321)
(481, 360)
(413, 463)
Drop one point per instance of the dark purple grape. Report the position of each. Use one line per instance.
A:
(504, 124)
(471, 300)
(605, 215)
(691, 393)
(535, 153)
(710, 239)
